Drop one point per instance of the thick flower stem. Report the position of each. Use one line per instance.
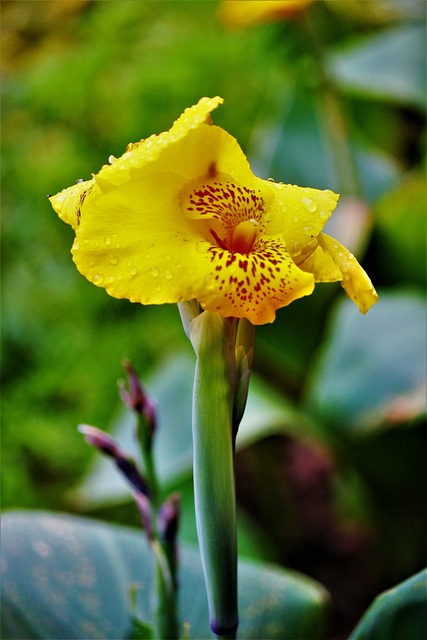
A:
(213, 397)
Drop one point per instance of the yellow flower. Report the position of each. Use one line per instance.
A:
(180, 216)
(243, 13)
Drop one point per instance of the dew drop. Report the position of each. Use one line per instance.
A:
(97, 279)
(154, 272)
(107, 241)
(111, 279)
(309, 204)
(168, 274)
(308, 230)
(158, 287)
(202, 246)
(323, 215)
(270, 179)
(76, 245)
(130, 262)
(134, 271)
(114, 260)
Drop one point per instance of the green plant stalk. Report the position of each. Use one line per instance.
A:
(165, 586)
(165, 610)
(213, 340)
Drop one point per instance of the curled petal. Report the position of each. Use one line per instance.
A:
(68, 202)
(355, 280)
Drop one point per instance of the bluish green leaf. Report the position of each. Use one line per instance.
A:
(69, 578)
(389, 65)
(372, 370)
(400, 612)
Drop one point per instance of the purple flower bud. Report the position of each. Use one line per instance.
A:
(107, 445)
(137, 399)
(143, 505)
(169, 518)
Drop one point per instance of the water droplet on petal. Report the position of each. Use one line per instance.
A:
(76, 245)
(97, 279)
(154, 272)
(158, 287)
(323, 214)
(114, 260)
(308, 230)
(309, 204)
(168, 274)
(134, 272)
(111, 279)
(202, 246)
(107, 241)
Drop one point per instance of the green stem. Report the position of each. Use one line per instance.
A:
(166, 621)
(214, 486)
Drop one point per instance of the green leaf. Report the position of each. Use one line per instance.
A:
(389, 65)
(267, 412)
(400, 232)
(68, 578)
(372, 370)
(296, 149)
(397, 613)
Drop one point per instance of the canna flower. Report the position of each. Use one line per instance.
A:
(180, 216)
(242, 13)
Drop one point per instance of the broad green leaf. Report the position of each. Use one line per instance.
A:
(267, 412)
(388, 65)
(400, 612)
(372, 369)
(297, 149)
(68, 578)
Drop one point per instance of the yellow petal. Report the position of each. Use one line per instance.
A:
(322, 266)
(167, 148)
(355, 280)
(68, 202)
(241, 13)
(298, 213)
(256, 284)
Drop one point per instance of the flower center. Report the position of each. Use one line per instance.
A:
(244, 236)
(232, 214)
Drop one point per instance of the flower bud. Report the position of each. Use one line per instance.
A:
(107, 445)
(137, 400)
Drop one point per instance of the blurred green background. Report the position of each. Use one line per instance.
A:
(332, 99)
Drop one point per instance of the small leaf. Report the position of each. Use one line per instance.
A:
(68, 578)
(397, 613)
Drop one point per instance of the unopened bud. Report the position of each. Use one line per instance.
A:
(137, 399)
(107, 445)
(169, 518)
(144, 508)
